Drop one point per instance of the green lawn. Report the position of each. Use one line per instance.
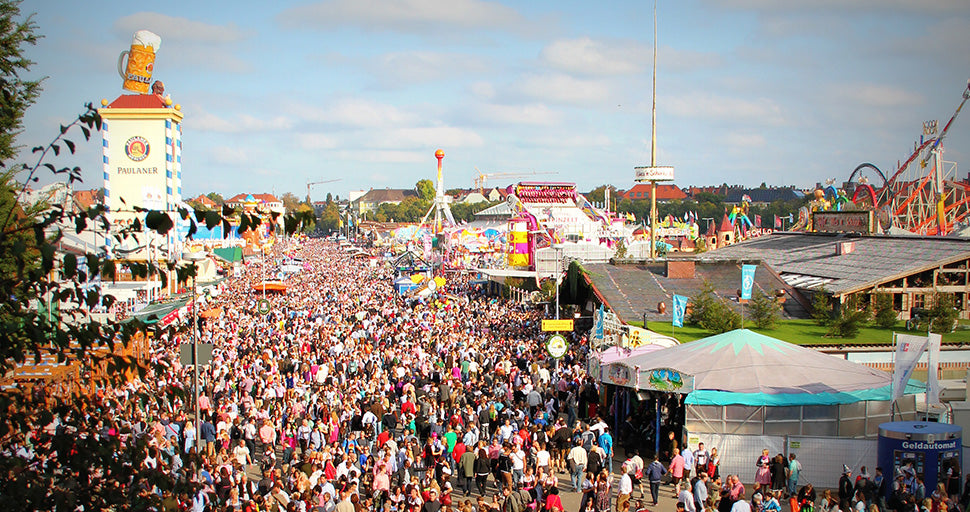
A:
(806, 332)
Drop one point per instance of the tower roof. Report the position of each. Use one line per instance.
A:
(138, 101)
(726, 226)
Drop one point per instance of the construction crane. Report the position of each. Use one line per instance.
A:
(482, 179)
(311, 183)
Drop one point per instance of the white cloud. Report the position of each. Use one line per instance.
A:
(708, 106)
(573, 141)
(179, 29)
(483, 90)
(737, 140)
(589, 57)
(313, 141)
(413, 16)
(563, 88)
(230, 155)
(380, 156)
(420, 67)
(423, 135)
(535, 114)
(355, 112)
(209, 122)
(922, 6)
(874, 95)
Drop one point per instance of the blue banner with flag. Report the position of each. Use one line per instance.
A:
(598, 333)
(747, 281)
(680, 306)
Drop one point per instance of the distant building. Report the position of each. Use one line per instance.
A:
(763, 196)
(375, 197)
(263, 201)
(84, 199)
(911, 269)
(205, 201)
(665, 193)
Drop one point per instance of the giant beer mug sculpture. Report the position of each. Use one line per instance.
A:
(137, 72)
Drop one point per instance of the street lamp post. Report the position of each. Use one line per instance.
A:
(195, 257)
(558, 248)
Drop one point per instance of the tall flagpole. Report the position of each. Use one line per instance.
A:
(653, 143)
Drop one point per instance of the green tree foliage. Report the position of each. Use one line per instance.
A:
(942, 313)
(329, 217)
(853, 314)
(885, 314)
(216, 198)
(426, 189)
(709, 312)
(17, 93)
(290, 202)
(764, 310)
(821, 307)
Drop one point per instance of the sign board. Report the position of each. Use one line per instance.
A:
(619, 374)
(668, 380)
(557, 325)
(654, 173)
(843, 222)
(672, 232)
(557, 346)
(185, 353)
(262, 307)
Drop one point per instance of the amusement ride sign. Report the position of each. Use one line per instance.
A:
(556, 345)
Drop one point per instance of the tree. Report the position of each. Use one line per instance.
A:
(17, 94)
(426, 189)
(821, 307)
(885, 313)
(708, 311)
(851, 317)
(216, 198)
(942, 314)
(290, 202)
(764, 310)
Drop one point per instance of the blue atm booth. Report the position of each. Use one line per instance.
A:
(932, 450)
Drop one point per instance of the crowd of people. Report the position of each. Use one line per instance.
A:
(347, 396)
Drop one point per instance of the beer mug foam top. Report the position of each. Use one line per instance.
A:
(137, 72)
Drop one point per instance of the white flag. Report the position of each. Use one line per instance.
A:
(933, 369)
(909, 348)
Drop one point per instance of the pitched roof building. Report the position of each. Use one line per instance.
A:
(665, 193)
(375, 197)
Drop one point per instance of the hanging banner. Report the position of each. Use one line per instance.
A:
(933, 369)
(598, 331)
(680, 307)
(747, 281)
(666, 379)
(909, 348)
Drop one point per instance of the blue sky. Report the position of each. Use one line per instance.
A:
(749, 91)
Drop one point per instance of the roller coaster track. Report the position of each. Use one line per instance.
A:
(916, 200)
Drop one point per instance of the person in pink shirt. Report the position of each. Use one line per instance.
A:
(676, 470)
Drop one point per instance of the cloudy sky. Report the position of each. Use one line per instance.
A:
(749, 91)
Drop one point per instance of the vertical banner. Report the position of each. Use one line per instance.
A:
(777, 222)
(680, 306)
(598, 334)
(909, 348)
(747, 281)
(933, 369)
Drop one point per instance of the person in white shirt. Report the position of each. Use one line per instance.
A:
(625, 489)
(686, 497)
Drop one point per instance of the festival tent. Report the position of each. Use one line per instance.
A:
(746, 368)
(744, 382)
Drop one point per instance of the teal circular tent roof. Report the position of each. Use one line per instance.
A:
(746, 368)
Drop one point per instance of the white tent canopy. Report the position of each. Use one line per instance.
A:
(744, 367)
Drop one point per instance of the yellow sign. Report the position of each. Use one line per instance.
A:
(557, 325)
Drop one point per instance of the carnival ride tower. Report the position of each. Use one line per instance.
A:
(440, 207)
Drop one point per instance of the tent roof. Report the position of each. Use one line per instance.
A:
(748, 363)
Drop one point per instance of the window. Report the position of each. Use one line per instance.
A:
(919, 300)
